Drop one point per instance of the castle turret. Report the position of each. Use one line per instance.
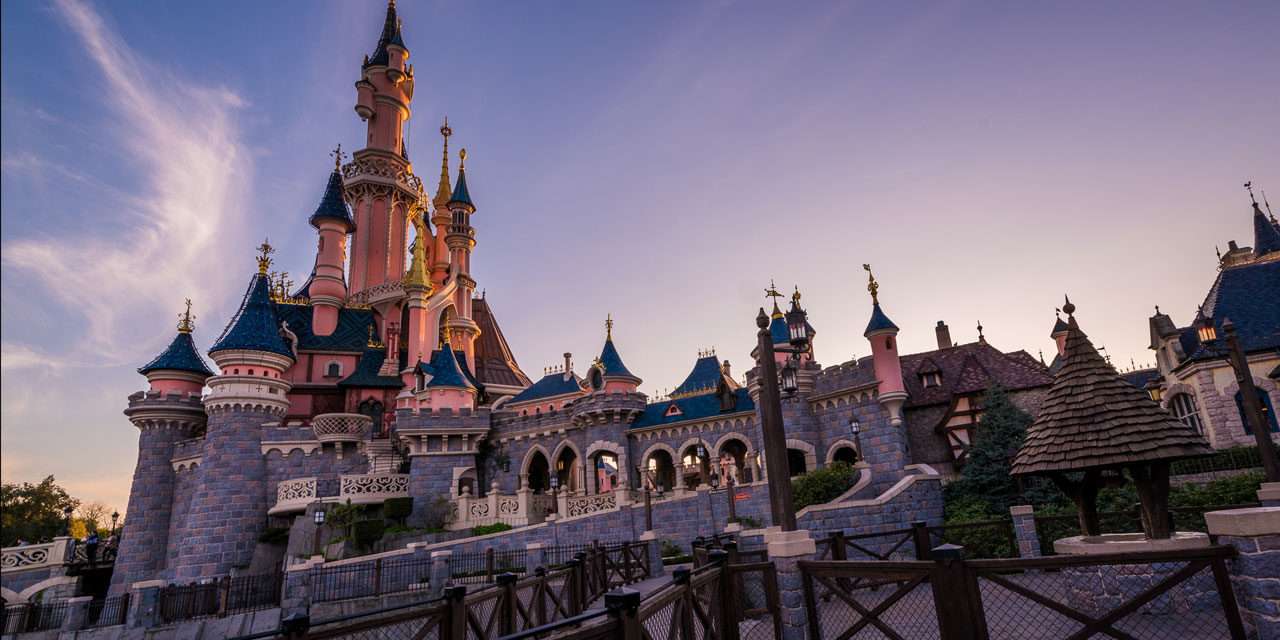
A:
(380, 183)
(882, 333)
(1059, 333)
(440, 217)
(447, 386)
(169, 412)
(1266, 232)
(613, 373)
(332, 220)
(417, 288)
(230, 497)
(461, 239)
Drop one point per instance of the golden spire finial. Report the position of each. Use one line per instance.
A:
(462, 155)
(186, 321)
(443, 190)
(446, 337)
(608, 327)
(772, 292)
(264, 256)
(337, 157)
(795, 297)
(872, 286)
(373, 341)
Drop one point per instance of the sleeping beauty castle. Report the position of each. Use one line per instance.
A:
(384, 376)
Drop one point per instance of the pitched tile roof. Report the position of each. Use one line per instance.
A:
(1140, 377)
(1247, 295)
(1092, 419)
(691, 408)
(495, 363)
(351, 334)
(445, 371)
(180, 355)
(332, 206)
(1266, 235)
(968, 368)
(704, 378)
(552, 384)
(460, 192)
(390, 36)
(879, 321)
(255, 326)
(613, 366)
(366, 373)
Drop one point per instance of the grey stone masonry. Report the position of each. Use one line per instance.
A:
(1024, 529)
(228, 507)
(77, 613)
(144, 604)
(1255, 571)
(164, 420)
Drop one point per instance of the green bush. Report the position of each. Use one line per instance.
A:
(397, 509)
(274, 535)
(671, 549)
(748, 522)
(486, 529)
(366, 532)
(822, 485)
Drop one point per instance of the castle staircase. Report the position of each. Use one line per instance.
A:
(383, 457)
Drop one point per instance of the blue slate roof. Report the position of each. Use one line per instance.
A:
(1247, 296)
(255, 326)
(366, 373)
(332, 206)
(1141, 377)
(1266, 236)
(879, 321)
(705, 376)
(691, 408)
(613, 366)
(552, 384)
(778, 330)
(390, 36)
(1059, 326)
(445, 371)
(460, 193)
(351, 334)
(181, 355)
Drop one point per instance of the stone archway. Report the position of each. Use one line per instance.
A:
(535, 472)
(566, 467)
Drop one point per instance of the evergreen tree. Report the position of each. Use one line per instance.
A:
(986, 478)
(33, 512)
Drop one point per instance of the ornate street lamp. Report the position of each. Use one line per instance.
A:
(855, 428)
(775, 440)
(66, 513)
(115, 518)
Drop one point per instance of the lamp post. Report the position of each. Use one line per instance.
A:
(66, 514)
(855, 428)
(115, 518)
(1252, 405)
(728, 490)
(318, 518)
(775, 439)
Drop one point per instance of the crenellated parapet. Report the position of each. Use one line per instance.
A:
(174, 410)
(607, 408)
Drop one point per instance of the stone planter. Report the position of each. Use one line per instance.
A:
(1097, 589)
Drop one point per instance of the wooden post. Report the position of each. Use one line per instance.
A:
(920, 538)
(687, 630)
(648, 510)
(624, 608)
(728, 609)
(836, 545)
(507, 603)
(455, 619)
(224, 594)
(540, 597)
(954, 583)
(1252, 406)
(626, 563)
(579, 577)
(377, 577)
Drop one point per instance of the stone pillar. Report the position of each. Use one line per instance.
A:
(144, 604)
(1269, 494)
(440, 571)
(786, 550)
(77, 613)
(1024, 529)
(1255, 572)
(533, 556)
(296, 597)
(654, 552)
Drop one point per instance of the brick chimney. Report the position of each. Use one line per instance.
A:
(568, 364)
(944, 335)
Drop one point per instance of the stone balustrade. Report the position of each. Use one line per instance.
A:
(373, 487)
(294, 495)
(589, 504)
(519, 509)
(35, 556)
(341, 427)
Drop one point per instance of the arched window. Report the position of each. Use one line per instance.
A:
(1183, 406)
(795, 462)
(1268, 412)
(333, 369)
(846, 455)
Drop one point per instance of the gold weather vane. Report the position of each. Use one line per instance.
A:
(186, 321)
(1249, 186)
(608, 327)
(795, 297)
(264, 256)
(462, 163)
(337, 156)
(872, 286)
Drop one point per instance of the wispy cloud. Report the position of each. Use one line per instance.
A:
(183, 139)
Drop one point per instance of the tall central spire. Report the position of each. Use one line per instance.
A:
(443, 192)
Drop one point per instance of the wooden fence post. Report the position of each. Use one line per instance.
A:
(837, 545)
(920, 539)
(627, 578)
(955, 583)
(507, 603)
(540, 597)
(624, 608)
(377, 577)
(224, 594)
(687, 630)
(728, 608)
(454, 626)
(579, 579)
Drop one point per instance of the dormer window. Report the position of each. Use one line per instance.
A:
(333, 369)
(931, 379)
(673, 410)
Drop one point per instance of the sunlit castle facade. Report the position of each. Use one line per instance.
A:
(385, 376)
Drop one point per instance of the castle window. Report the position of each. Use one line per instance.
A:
(333, 369)
(251, 372)
(673, 410)
(1184, 409)
(931, 380)
(1268, 412)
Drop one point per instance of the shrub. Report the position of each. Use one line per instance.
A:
(397, 509)
(437, 515)
(367, 532)
(822, 485)
(486, 529)
(750, 523)
(671, 549)
(274, 535)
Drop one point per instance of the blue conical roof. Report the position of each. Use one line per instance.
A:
(390, 36)
(445, 371)
(255, 326)
(1059, 327)
(879, 321)
(332, 206)
(705, 375)
(612, 362)
(181, 355)
(1266, 237)
(460, 193)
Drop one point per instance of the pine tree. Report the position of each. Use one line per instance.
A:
(985, 476)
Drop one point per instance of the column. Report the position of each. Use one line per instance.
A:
(786, 550)
(77, 613)
(1255, 571)
(1024, 529)
(440, 573)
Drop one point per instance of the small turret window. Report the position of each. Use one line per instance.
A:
(930, 380)
(333, 369)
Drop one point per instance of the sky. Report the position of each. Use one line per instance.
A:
(659, 161)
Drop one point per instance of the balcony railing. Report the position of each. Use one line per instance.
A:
(341, 427)
(373, 487)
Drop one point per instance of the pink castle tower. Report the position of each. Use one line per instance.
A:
(882, 333)
(461, 239)
(332, 220)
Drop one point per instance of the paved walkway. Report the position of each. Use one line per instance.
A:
(645, 587)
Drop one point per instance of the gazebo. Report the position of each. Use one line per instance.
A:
(1093, 425)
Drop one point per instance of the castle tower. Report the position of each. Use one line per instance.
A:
(227, 508)
(882, 333)
(613, 373)
(168, 412)
(448, 387)
(1059, 334)
(441, 216)
(461, 239)
(380, 184)
(417, 287)
(332, 220)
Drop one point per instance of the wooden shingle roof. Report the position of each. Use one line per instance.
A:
(1092, 418)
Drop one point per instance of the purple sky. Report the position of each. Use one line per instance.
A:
(659, 161)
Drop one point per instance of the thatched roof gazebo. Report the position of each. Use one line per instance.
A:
(1095, 424)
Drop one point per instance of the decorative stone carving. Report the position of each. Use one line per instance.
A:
(373, 487)
(341, 427)
(586, 505)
